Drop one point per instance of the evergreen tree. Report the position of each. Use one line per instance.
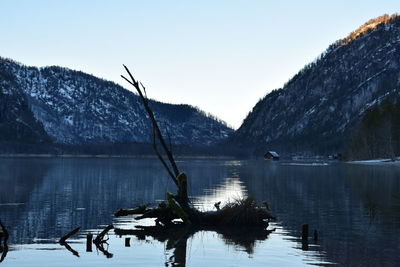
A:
(378, 134)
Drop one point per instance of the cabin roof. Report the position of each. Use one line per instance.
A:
(274, 154)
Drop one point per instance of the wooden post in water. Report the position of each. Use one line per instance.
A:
(304, 237)
(315, 236)
(127, 242)
(304, 232)
(89, 240)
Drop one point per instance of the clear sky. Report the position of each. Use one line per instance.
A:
(221, 56)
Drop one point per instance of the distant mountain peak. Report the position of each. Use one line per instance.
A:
(77, 108)
(369, 26)
(319, 107)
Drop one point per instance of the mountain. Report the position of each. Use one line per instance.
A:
(17, 122)
(316, 111)
(71, 107)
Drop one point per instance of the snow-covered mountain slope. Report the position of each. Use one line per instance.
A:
(317, 109)
(77, 108)
(17, 123)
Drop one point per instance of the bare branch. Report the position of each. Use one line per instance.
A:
(100, 237)
(162, 159)
(169, 137)
(144, 89)
(155, 127)
(64, 238)
(127, 80)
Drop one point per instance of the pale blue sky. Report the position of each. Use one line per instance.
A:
(221, 56)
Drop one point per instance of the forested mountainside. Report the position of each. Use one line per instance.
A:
(17, 123)
(378, 133)
(70, 107)
(316, 111)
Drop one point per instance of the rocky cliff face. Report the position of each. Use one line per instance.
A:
(317, 109)
(76, 108)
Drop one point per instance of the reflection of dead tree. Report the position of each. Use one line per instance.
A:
(241, 213)
(3, 242)
(63, 241)
(176, 237)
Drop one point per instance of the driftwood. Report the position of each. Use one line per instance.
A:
(100, 237)
(99, 241)
(243, 212)
(64, 238)
(70, 249)
(63, 241)
(101, 248)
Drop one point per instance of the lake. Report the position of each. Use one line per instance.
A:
(355, 210)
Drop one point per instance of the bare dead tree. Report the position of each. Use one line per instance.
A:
(157, 136)
(243, 212)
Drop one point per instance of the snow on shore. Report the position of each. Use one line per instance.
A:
(385, 161)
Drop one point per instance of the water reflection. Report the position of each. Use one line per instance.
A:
(176, 238)
(351, 206)
(230, 190)
(356, 210)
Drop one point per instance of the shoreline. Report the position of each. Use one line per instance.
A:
(380, 162)
(28, 155)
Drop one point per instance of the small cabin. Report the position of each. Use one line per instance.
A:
(271, 155)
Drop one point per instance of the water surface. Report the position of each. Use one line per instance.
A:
(355, 210)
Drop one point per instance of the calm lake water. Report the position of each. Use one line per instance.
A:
(354, 208)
